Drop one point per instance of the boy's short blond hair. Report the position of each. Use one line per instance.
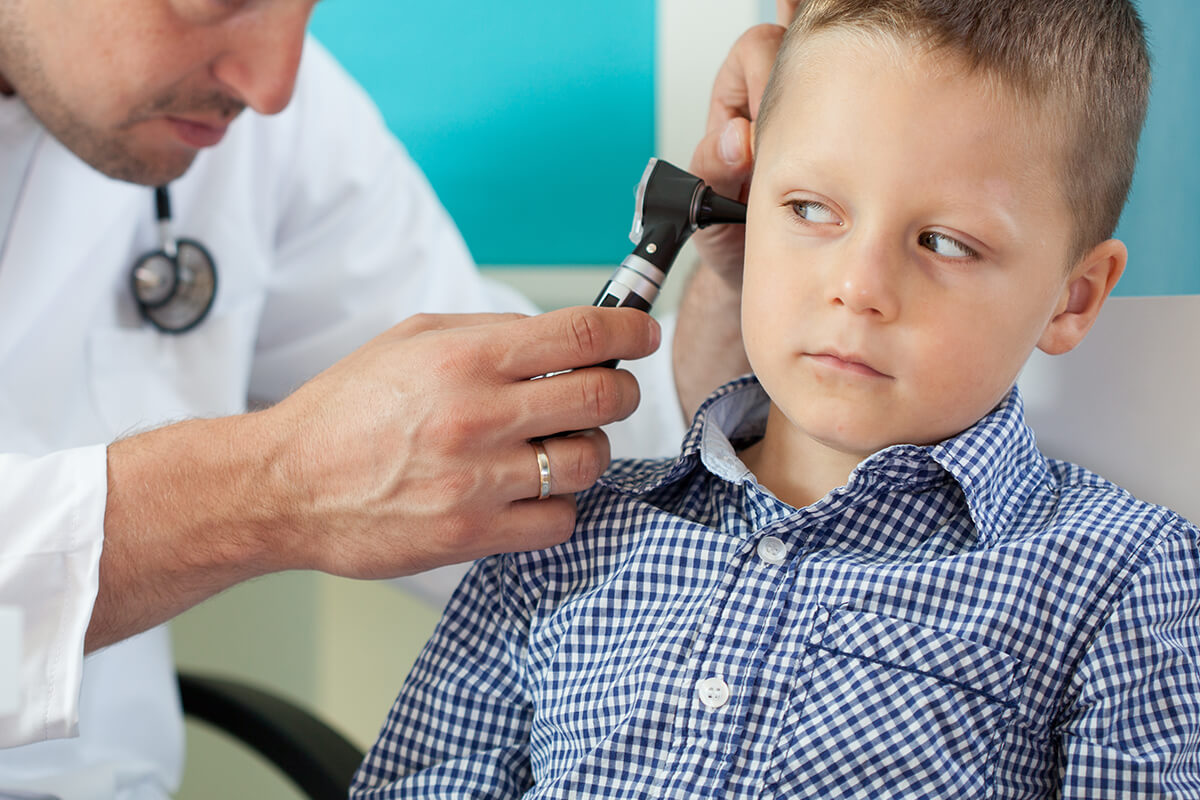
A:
(1084, 61)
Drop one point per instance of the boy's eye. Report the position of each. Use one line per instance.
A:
(812, 211)
(943, 245)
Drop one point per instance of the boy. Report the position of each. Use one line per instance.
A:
(871, 584)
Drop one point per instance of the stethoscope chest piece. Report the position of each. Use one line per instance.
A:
(175, 292)
(176, 285)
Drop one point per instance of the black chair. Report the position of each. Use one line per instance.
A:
(315, 757)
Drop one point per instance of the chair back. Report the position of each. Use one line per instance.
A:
(1124, 403)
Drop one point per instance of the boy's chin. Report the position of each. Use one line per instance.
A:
(864, 439)
(846, 438)
(858, 447)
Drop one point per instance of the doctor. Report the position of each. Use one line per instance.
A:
(408, 452)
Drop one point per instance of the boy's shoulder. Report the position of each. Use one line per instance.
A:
(635, 496)
(1016, 502)
(631, 476)
(1008, 482)
(1087, 498)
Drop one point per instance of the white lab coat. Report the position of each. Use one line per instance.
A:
(324, 233)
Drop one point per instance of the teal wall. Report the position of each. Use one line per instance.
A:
(1161, 223)
(532, 118)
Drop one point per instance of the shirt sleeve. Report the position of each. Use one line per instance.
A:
(460, 726)
(53, 529)
(1133, 729)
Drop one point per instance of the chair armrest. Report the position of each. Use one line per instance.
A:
(314, 756)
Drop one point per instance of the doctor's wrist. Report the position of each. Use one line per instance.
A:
(189, 512)
(204, 488)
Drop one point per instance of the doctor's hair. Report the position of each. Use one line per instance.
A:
(1085, 62)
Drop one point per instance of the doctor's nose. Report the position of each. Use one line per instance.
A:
(259, 66)
(865, 282)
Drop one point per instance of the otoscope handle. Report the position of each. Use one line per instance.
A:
(633, 285)
(671, 204)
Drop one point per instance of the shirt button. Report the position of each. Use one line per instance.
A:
(772, 550)
(713, 692)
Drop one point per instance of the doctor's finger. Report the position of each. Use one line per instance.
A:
(738, 88)
(532, 525)
(571, 401)
(785, 10)
(724, 158)
(572, 463)
(572, 337)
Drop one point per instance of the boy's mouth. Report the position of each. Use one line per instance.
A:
(846, 362)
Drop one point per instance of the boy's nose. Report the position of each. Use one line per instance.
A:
(864, 282)
(259, 64)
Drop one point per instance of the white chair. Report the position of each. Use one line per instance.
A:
(1124, 403)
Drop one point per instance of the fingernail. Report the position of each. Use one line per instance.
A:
(655, 335)
(730, 147)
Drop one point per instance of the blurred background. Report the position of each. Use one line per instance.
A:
(534, 120)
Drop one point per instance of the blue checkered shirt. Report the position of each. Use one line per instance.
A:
(961, 620)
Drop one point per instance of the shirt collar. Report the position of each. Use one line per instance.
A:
(995, 462)
(998, 465)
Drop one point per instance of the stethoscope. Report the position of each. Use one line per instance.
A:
(175, 285)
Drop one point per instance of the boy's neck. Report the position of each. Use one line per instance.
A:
(796, 468)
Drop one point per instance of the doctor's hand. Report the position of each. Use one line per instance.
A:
(708, 337)
(724, 158)
(414, 451)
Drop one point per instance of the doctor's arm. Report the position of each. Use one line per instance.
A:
(410, 453)
(707, 348)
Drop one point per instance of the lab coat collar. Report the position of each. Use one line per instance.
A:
(63, 216)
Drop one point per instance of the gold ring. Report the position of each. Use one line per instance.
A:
(543, 470)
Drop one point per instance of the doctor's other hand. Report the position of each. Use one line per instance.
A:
(414, 451)
(724, 158)
(708, 337)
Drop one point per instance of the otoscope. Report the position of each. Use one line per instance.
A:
(671, 205)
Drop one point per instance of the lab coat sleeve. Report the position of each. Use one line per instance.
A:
(53, 522)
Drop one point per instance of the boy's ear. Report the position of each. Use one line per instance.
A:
(1087, 288)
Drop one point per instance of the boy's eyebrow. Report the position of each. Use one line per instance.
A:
(1000, 210)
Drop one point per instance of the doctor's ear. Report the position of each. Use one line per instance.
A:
(1087, 287)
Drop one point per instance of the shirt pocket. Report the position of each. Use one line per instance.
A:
(142, 377)
(893, 709)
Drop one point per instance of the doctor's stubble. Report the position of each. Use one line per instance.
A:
(111, 149)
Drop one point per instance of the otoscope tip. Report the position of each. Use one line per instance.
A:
(717, 210)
